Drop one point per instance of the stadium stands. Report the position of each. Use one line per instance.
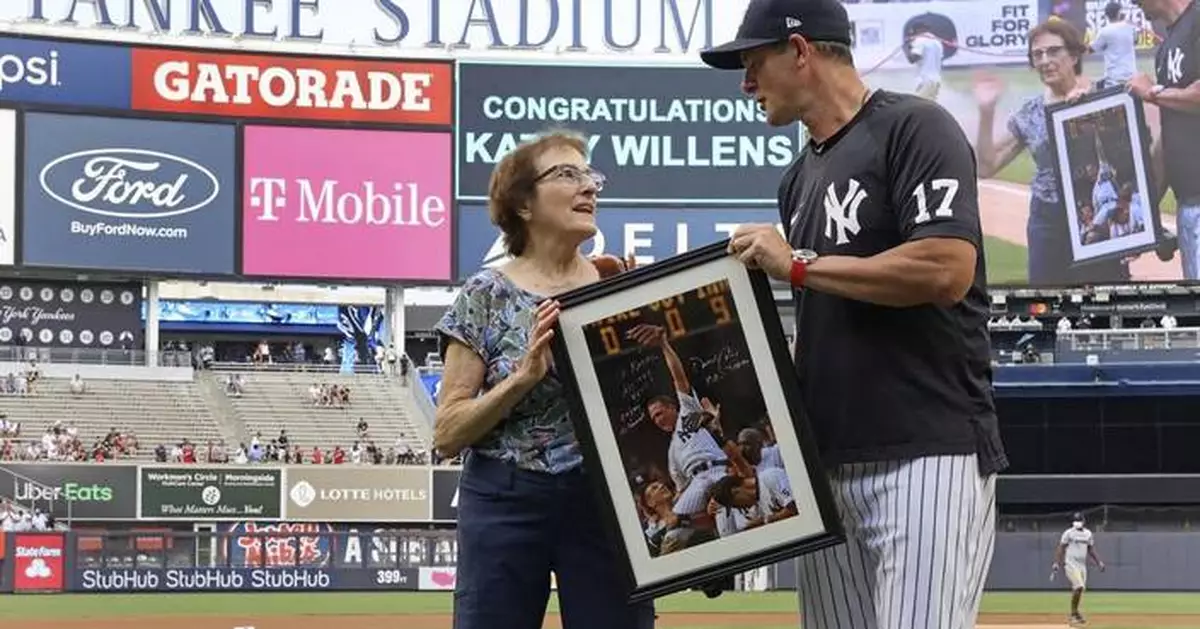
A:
(274, 400)
(155, 412)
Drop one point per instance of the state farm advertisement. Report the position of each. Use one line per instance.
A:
(301, 88)
(38, 562)
(347, 204)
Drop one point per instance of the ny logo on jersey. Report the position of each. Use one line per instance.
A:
(841, 213)
(1175, 65)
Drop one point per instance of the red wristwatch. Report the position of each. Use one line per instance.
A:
(801, 258)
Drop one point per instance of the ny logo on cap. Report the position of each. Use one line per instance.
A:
(792, 22)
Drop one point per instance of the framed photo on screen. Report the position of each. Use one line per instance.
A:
(685, 401)
(1103, 161)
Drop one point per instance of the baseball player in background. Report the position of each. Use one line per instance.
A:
(695, 457)
(883, 251)
(1075, 548)
(926, 50)
(1117, 41)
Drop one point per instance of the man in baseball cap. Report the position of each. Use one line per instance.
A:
(882, 245)
(773, 21)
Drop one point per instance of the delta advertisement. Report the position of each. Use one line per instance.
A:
(560, 30)
(128, 195)
(64, 73)
(673, 135)
(333, 203)
(647, 234)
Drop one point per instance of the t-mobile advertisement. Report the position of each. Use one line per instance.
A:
(120, 194)
(347, 204)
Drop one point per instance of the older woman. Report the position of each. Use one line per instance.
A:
(525, 506)
(1056, 51)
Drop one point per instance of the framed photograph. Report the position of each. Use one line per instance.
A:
(1103, 161)
(686, 403)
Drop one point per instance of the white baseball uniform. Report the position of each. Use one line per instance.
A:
(774, 493)
(770, 458)
(896, 570)
(694, 459)
(1078, 542)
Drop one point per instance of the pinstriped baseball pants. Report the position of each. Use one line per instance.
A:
(920, 535)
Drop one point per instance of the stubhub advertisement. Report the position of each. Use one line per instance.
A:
(649, 234)
(128, 195)
(346, 203)
(57, 73)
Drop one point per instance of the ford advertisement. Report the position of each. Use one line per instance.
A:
(649, 234)
(121, 194)
(59, 73)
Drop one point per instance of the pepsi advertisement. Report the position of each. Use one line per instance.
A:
(120, 194)
(649, 234)
(58, 73)
(674, 135)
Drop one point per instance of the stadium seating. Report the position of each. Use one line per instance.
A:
(156, 412)
(275, 400)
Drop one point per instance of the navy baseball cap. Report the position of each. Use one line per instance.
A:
(770, 21)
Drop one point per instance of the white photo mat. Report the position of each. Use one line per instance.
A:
(647, 569)
(1148, 236)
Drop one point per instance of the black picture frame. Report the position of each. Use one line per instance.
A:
(702, 301)
(1121, 168)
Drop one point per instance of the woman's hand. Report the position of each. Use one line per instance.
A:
(538, 359)
(610, 265)
(987, 88)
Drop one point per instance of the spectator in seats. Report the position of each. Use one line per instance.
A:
(160, 453)
(392, 457)
(314, 394)
(33, 375)
(187, 452)
(256, 440)
(235, 385)
(8, 427)
(405, 365)
(297, 455)
(356, 453)
(329, 355)
(362, 427)
(338, 456)
(283, 438)
(1168, 322)
(256, 453)
(240, 456)
(262, 353)
(77, 386)
(391, 358)
(318, 456)
(39, 519)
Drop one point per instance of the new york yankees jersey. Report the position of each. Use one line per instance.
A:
(885, 383)
(1078, 542)
(770, 458)
(1177, 64)
(690, 447)
(774, 494)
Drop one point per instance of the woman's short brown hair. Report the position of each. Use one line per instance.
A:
(513, 184)
(1071, 36)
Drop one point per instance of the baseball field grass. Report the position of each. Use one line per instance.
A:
(766, 610)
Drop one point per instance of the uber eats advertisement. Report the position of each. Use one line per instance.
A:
(74, 492)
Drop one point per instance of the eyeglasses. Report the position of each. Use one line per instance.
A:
(573, 173)
(1049, 51)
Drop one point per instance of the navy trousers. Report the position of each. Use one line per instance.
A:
(514, 527)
